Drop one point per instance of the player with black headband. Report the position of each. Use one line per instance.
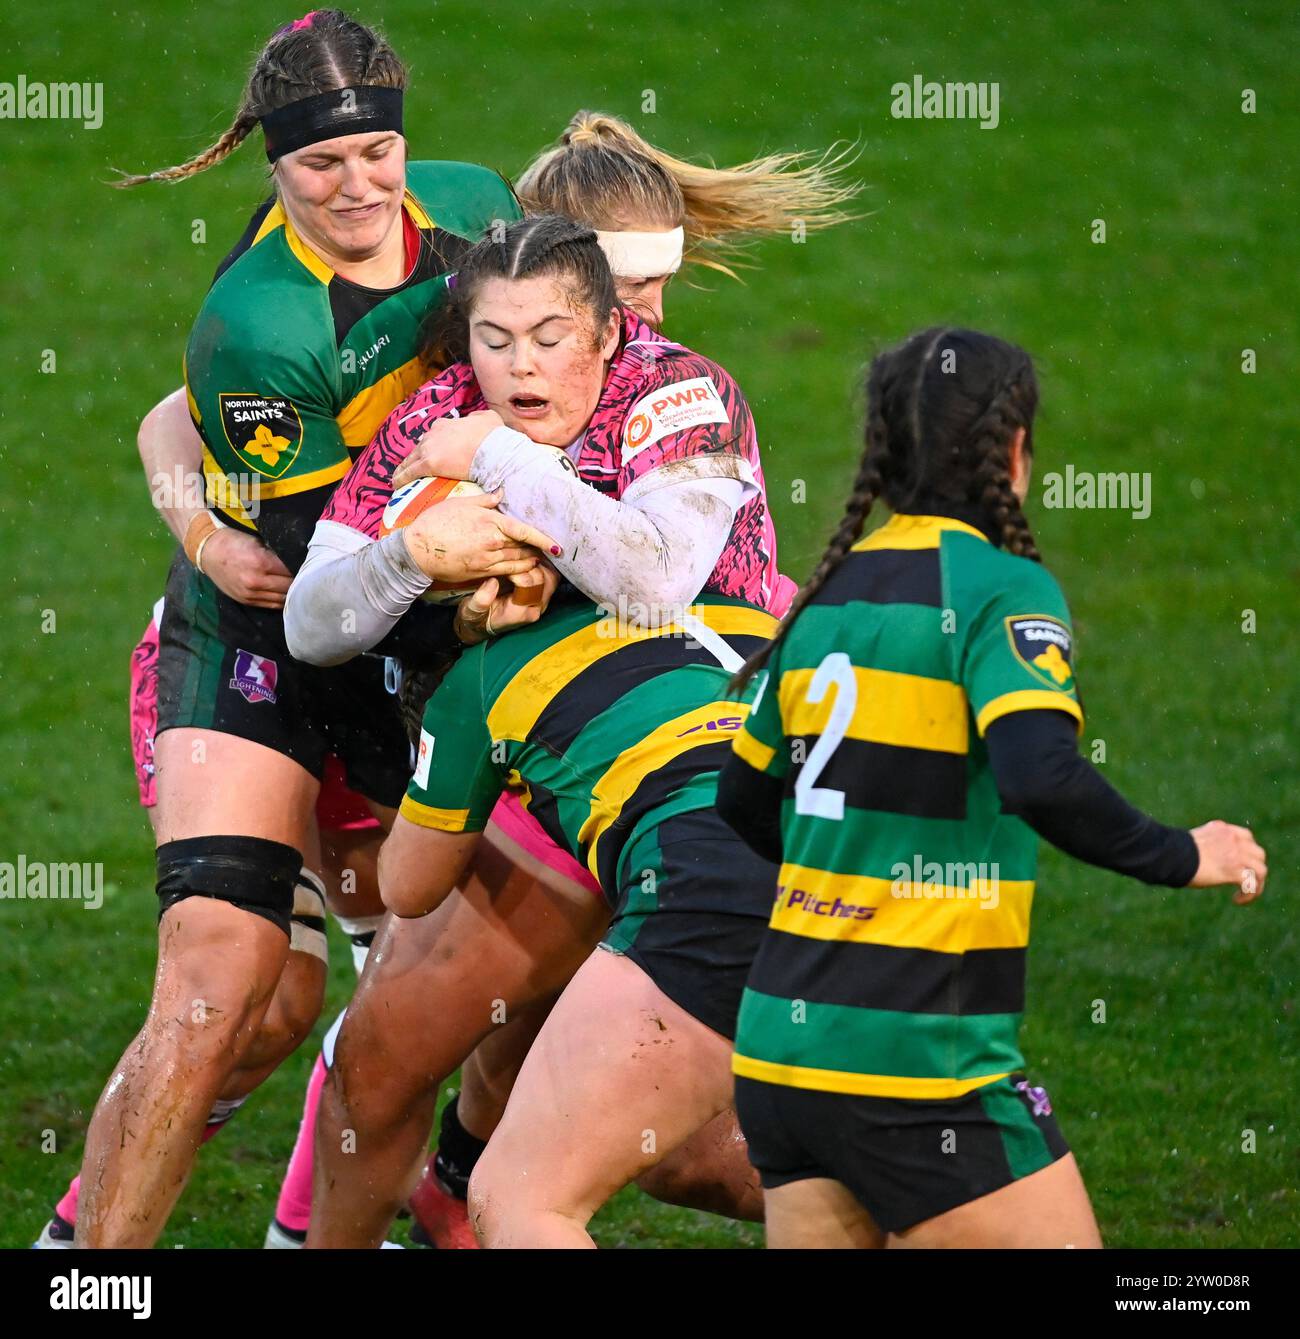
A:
(302, 346)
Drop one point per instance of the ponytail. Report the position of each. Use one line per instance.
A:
(238, 132)
(990, 442)
(607, 175)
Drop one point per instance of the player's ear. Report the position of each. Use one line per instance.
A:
(613, 329)
(1019, 463)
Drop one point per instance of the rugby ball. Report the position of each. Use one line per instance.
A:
(414, 499)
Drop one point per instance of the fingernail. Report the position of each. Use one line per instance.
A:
(555, 550)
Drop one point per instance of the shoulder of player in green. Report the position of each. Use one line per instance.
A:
(455, 725)
(1014, 631)
(463, 198)
(523, 674)
(589, 632)
(466, 695)
(1001, 630)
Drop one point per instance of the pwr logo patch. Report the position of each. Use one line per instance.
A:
(669, 409)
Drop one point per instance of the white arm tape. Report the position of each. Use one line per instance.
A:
(349, 593)
(656, 550)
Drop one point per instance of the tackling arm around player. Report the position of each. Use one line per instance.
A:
(616, 733)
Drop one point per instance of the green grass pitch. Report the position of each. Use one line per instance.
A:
(1125, 113)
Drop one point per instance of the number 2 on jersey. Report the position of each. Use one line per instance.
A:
(810, 798)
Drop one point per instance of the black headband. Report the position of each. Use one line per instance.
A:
(343, 111)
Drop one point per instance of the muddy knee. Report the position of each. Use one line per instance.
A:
(217, 966)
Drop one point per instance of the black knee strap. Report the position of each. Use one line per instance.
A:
(251, 873)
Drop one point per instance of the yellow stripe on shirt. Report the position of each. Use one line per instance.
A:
(914, 532)
(752, 751)
(668, 741)
(941, 917)
(1028, 699)
(262, 489)
(906, 710)
(419, 215)
(362, 416)
(530, 691)
(429, 816)
(219, 491)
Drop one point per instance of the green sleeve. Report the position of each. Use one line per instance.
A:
(1019, 655)
(263, 386)
(760, 742)
(457, 782)
(463, 198)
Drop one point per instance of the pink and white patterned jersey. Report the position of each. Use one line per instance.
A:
(665, 415)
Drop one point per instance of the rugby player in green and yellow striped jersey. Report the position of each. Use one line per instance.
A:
(615, 734)
(913, 735)
(304, 343)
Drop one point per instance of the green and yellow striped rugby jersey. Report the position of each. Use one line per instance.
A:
(290, 368)
(893, 963)
(609, 729)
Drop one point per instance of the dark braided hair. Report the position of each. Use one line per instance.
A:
(942, 410)
(323, 51)
(992, 473)
(541, 245)
(418, 686)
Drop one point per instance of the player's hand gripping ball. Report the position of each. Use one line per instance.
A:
(414, 499)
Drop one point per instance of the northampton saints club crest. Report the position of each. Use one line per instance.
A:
(1043, 645)
(264, 431)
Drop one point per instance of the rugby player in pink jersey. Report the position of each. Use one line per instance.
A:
(658, 496)
(654, 213)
